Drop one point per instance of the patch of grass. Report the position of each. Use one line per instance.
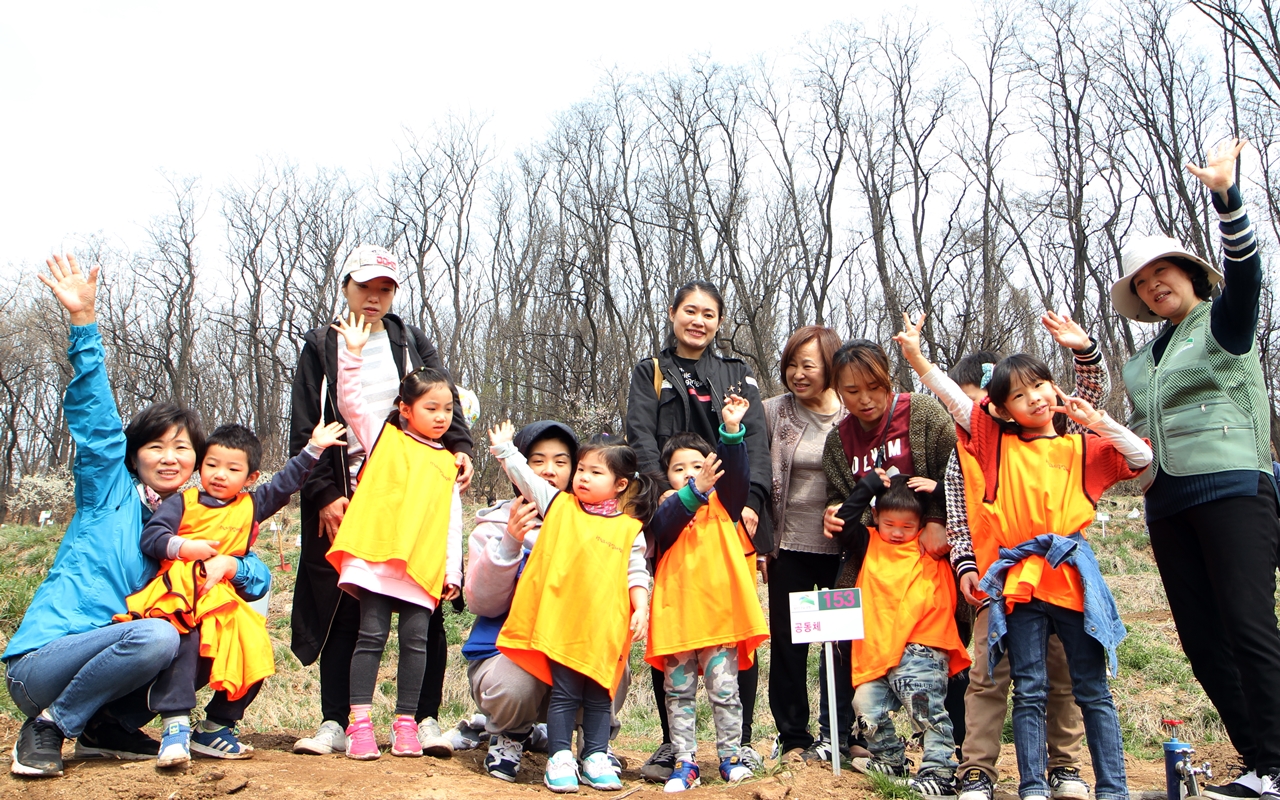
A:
(891, 788)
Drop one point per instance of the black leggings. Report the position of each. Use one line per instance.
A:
(375, 627)
(335, 663)
(1218, 564)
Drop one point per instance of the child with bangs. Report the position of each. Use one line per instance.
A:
(1038, 491)
(399, 548)
(706, 615)
(583, 596)
(911, 646)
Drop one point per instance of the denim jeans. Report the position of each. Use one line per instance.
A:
(1029, 626)
(919, 685)
(570, 691)
(75, 675)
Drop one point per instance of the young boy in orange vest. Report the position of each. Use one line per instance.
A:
(196, 535)
(911, 646)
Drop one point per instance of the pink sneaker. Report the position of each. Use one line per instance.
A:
(404, 738)
(360, 742)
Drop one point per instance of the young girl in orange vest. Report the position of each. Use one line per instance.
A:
(397, 548)
(706, 615)
(1038, 490)
(583, 596)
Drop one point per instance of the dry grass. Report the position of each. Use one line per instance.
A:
(1155, 679)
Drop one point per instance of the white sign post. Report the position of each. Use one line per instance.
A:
(828, 615)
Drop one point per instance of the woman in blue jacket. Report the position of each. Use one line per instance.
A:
(67, 659)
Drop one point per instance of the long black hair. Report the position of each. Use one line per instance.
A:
(706, 287)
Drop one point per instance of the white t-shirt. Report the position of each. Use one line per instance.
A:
(381, 382)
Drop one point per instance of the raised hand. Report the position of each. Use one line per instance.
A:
(1065, 331)
(328, 435)
(502, 433)
(1082, 411)
(75, 290)
(909, 340)
(355, 330)
(705, 479)
(1219, 170)
(197, 550)
(732, 412)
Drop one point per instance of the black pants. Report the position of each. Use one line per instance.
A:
(748, 683)
(1218, 564)
(793, 571)
(571, 690)
(375, 627)
(340, 645)
(174, 689)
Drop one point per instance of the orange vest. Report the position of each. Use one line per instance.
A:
(571, 604)
(906, 597)
(400, 510)
(232, 634)
(1039, 489)
(704, 592)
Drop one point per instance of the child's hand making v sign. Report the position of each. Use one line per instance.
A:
(732, 412)
(355, 330)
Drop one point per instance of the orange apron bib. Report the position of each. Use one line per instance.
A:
(704, 593)
(400, 511)
(571, 604)
(906, 597)
(232, 634)
(1039, 489)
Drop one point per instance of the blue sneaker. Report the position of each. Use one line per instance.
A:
(684, 776)
(175, 745)
(562, 772)
(218, 741)
(598, 773)
(732, 770)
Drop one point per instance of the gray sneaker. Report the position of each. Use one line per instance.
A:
(750, 758)
(659, 766)
(433, 742)
(330, 738)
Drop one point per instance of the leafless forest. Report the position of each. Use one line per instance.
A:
(978, 175)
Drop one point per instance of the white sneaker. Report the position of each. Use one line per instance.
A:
(433, 742)
(329, 738)
(561, 774)
(598, 773)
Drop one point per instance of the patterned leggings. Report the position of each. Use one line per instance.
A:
(720, 674)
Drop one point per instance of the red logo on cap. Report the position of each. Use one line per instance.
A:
(386, 262)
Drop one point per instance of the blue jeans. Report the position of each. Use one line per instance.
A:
(1029, 626)
(918, 684)
(74, 676)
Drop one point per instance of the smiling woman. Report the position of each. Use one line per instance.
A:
(1198, 393)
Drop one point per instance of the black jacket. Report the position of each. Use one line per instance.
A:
(651, 420)
(315, 393)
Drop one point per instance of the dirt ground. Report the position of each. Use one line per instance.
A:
(276, 773)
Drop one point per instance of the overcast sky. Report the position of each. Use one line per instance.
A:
(99, 99)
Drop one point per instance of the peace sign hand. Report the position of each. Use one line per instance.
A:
(909, 340)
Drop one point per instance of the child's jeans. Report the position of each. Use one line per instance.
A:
(1029, 626)
(680, 680)
(919, 685)
(375, 627)
(571, 690)
(174, 691)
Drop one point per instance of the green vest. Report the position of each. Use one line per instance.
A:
(1204, 409)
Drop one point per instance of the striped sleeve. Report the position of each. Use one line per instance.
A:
(1234, 320)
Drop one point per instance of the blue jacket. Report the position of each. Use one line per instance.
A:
(100, 561)
(1101, 617)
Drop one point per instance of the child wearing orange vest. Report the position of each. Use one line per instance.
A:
(582, 598)
(196, 536)
(705, 615)
(1035, 492)
(911, 646)
(399, 547)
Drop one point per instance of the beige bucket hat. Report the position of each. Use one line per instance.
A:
(1137, 254)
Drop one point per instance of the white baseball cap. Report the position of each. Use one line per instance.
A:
(1137, 254)
(369, 261)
